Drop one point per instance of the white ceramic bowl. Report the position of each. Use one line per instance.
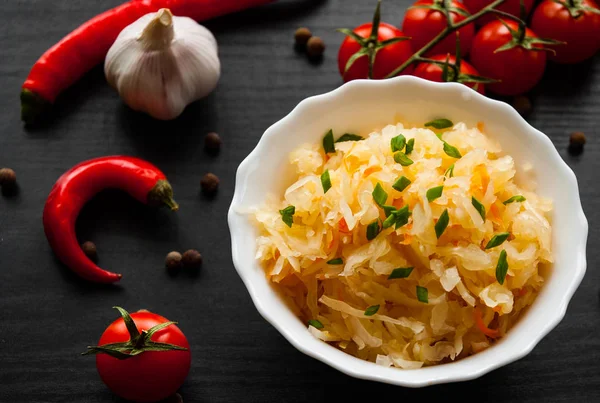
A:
(360, 107)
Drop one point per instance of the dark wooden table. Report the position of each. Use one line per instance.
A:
(48, 316)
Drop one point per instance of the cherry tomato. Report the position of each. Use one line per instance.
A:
(423, 24)
(510, 6)
(553, 19)
(387, 59)
(152, 375)
(433, 72)
(518, 69)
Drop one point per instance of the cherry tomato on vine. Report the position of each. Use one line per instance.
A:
(468, 75)
(509, 52)
(142, 357)
(373, 50)
(512, 7)
(576, 22)
(427, 18)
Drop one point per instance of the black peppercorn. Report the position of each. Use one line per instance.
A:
(522, 104)
(173, 260)
(209, 183)
(90, 250)
(576, 142)
(212, 142)
(302, 36)
(191, 259)
(8, 178)
(315, 47)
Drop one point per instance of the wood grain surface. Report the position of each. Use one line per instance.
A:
(48, 316)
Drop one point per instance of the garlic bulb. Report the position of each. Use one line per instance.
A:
(161, 63)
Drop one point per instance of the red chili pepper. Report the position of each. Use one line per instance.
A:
(64, 63)
(79, 184)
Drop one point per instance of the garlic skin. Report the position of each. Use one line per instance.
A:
(161, 63)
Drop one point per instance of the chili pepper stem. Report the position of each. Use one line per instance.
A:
(162, 193)
(159, 32)
(32, 106)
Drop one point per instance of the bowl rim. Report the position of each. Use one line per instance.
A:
(362, 369)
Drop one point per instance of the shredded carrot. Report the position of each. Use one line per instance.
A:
(371, 170)
(523, 292)
(493, 333)
(407, 239)
(495, 214)
(397, 202)
(343, 226)
(480, 180)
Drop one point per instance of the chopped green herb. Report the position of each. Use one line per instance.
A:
(372, 310)
(441, 224)
(501, 267)
(451, 150)
(410, 145)
(517, 198)
(315, 323)
(349, 137)
(328, 142)
(497, 240)
(400, 272)
(402, 216)
(479, 207)
(389, 221)
(287, 215)
(388, 210)
(379, 195)
(326, 181)
(373, 230)
(422, 294)
(401, 184)
(336, 261)
(434, 193)
(450, 171)
(402, 159)
(398, 143)
(440, 124)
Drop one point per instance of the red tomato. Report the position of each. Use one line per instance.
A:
(387, 59)
(423, 24)
(510, 6)
(518, 69)
(433, 72)
(582, 34)
(150, 376)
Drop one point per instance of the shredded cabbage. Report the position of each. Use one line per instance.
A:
(330, 272)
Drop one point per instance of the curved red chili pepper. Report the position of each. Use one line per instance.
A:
(79, 184)
(64, 63)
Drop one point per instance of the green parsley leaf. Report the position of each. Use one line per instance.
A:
(434, 193)
(402, 216)
(517, 198)
(287, 215)
(328, 142)
(422, 294)
(398, 143)
(451, 151)
(402, 159)
(440, 124)
(479, 207)
(450, 171)
(372, 310)
(373, 230)
(497, 240)
(501, 267)
(379, 195)
(388, 210)
(315, 323)
(336, 261)
(400, 272)
(410, 145)
(401, 184)
(326, 181)
(349, 137)
(441, 224)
